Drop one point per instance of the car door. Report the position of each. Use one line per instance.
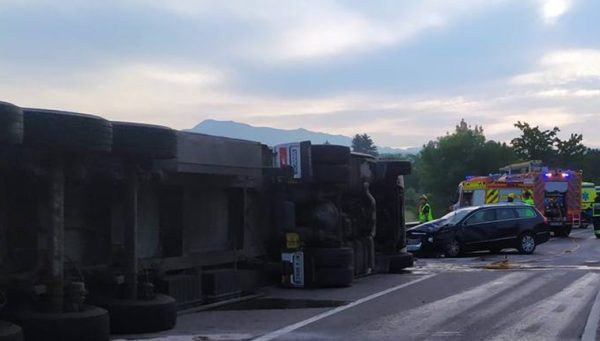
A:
(507, 225)
(478, 229)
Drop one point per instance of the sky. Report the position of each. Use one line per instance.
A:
(403, 72)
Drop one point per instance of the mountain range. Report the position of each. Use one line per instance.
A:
(274, 136)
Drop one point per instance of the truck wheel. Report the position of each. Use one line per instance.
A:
(329, 278)
(331, 174)
(330, 154)
(564, 231)
(90, 324)
(398, 263)
(526, 243)
(11, 124)
(452, 248)
(10, 332)
(66, 130)
(140, 316)
(342, 257)
(146, 140)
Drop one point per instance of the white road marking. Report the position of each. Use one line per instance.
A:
(548, 318)
(298, 325)
(418, 321)
(506, 300)
(591, 326)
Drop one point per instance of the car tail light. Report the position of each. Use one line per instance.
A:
(545, 219)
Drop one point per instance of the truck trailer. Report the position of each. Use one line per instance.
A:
(112, 227)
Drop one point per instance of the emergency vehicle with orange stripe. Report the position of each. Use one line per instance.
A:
(555, 192)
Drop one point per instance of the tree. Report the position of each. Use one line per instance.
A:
(545, 145)
(535, 144)
(364, 144)
(445, 162)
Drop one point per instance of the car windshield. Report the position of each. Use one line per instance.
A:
(455, 216)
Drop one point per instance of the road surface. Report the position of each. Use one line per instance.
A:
(545, 296)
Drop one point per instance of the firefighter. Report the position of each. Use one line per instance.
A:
(511, 197)
(527, 199)
(425, 213)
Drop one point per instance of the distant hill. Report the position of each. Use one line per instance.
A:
(274, 136)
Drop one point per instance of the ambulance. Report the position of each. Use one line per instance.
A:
(556, 192)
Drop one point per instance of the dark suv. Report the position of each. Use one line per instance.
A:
(488, 227)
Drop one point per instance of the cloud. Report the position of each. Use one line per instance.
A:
(316, 29)
(563, 67)
(552, 10)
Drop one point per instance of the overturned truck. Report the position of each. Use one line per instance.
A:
(111, 227)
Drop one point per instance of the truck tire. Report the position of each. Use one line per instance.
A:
(342, 257)
(10, 332)
(389, 170)
(563, 231)
(328, 154)
(331, 278)
(11, 124)
(140, 316)
(66, 131)
(399, 263)
(331, 174)
(91, 324)
(151, 141)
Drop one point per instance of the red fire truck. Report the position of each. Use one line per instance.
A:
(555, 192)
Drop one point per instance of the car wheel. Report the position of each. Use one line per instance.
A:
(452, 248)
(526, 244)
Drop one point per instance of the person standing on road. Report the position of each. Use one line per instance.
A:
(424, 208)
(511, 197)
(527, 199)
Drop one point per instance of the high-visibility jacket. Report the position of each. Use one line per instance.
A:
(529, 201)
(425, 213)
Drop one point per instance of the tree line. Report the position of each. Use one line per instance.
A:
(444, 162)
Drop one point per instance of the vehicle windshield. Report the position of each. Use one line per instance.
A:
(455, 216)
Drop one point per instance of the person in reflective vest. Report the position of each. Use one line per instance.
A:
(425, 213)
(527, 199)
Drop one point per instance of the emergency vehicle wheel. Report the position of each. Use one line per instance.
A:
(10, 332)
(90, 324)
(330, 154)
(66, 130)
(452, 248)
(151, 141)
(526, 243)
(11, 124)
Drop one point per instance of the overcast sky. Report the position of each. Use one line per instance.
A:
(401, 71)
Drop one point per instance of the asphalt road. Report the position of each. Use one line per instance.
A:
(545, 296)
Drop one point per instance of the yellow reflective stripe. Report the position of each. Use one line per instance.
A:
(492, 196)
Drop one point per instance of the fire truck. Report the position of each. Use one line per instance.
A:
(555, 192)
